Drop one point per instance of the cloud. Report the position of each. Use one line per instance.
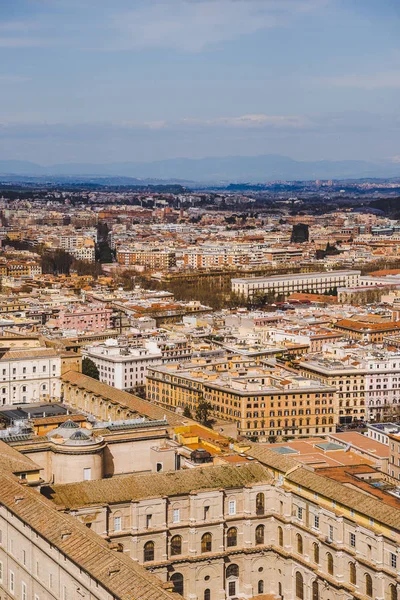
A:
(13, 79)
(191, 25)
(373, 81)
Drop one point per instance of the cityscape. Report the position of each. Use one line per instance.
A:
(199, 300)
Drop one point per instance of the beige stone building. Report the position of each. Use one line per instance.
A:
(263, 401)
(272, 529)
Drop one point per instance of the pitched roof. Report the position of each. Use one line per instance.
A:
(328, 488)
(124, 488)
(12, 461)
(134, 403)
(125, 579)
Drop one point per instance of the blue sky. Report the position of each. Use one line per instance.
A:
(121, 80)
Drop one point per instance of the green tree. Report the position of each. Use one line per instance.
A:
(186, 412)
(90, 369)
(203, 412)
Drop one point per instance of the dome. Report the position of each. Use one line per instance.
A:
(80, 435)
(69, 424)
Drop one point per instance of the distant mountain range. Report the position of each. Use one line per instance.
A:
(269, 167)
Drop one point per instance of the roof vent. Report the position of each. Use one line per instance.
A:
(69, 425)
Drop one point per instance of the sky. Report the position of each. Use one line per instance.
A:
(141, 80)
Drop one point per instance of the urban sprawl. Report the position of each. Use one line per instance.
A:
(200, 394)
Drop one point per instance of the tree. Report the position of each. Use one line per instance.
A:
(203, 412)
(90, 369)
(186, 412)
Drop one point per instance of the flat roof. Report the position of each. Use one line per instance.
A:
(324, 274)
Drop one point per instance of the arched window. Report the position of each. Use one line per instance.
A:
(392, 592)
(232, 572)
(299, 586)
(353, 573)
(206, 543)
(148, 552)
(329, 561)
(316, 553)
(176, 545)
(177, 580)
(231, 537)
(260, 587)
(280, 536)
(368, 585)
(315, 591)
(259, 535)
(207, 594)
(299, 540)
(260, 503)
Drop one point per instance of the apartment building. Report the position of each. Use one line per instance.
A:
(348, 379)
(264, 402)
(122, 366)
(152, 258)
(284, 285)
(85, 317)
(366, 331)
(265, 529)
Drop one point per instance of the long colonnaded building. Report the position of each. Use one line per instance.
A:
(284, 285)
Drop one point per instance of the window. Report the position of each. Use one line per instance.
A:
(176, 545)
(232, 572)
(316, 553)
(329, 563)
(232, 507)
(159, 467)
(117, 523)
(260, 587)
(299, 541)
(231, 537)
(65, 593)
(176, 515)
(316, 522)
(299, 586)
(353, 573)
(23, 591)
(260, 535)
(207, 594)
(148, 521)
(280, 536)
(206, 543)
(260, 504)
(206, 512)
(368, 585)
(177, 580)
(392, 592)
(353, 540)
(12, 582)
(315, 591)
(148, 552)
(300, 513)
(330, 536)
(87, 474)
(393, 560)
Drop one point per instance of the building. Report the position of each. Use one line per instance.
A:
(348, 379)
(264, 402)
(30, 375)
(121, 365)
(82, 318)
(259, 530)
(284, 285)
(152, 258)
